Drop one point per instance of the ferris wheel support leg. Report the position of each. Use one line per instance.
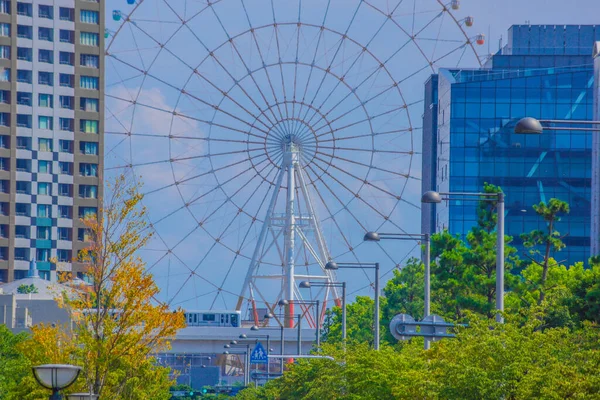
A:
(259, 244)
(291, 161)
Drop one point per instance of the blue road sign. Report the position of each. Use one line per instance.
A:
(259, 355)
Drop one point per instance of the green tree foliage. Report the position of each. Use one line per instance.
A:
(485, 361)
(359, 322)
(542, 242)
(14, 366)
(26, 289)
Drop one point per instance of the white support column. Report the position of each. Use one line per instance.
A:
(291, 162)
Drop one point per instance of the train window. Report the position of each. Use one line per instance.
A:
(226, 318)
(208, 317)
(195, 318)
(234, 320)
(222, 319)
(189, 318)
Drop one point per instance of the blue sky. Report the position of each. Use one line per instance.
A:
(231, 84)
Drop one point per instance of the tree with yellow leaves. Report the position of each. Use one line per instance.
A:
(117, 324)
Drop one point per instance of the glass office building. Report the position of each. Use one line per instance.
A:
(544, 72)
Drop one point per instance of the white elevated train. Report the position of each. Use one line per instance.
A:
(217, 318)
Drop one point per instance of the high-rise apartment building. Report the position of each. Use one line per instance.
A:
(545, 72)
(51, 125)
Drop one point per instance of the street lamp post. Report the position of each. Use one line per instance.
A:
(268, 337)
(234, 344)
(426, 257)
(307, 285)
(56, 377)
(82, 396)
(435, 197)
(331, 265)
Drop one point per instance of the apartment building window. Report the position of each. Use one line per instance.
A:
(25, 9)
(23, 165)
(86, 169)
(63, 255)
(46, 100)
(24, 99)
(45, 11)
(4, 119)
(43, 211)
(89, 39)
(88, 148)
(45, 122)
(23, 143)
(5, 7)
(65, 146)
(66, 58)
(88, 191)
(88, 126)
(89, 17)
(22, 232)
(66, 168)
(64, 233)
(25, 31)
(22, 209)
(4, 186)
(5, 96)
(46, 34)
(24, 120)
(24, 76)
(67, 80)
(22, 187)
(46, 78)
(5, 29)
(65, 189)
(66, 102)
(66, 14)
(67, 124)
(43, 233)
(44, 188)
(5, 164)
(46, 56)
(4, 231)
(4, 142)
(89, 60)
(24, 53)
(5, 52)
(88, 104)
(43, 255)
(88, 212)
(89, 82)
(66, 36)
(44, 144)
(65, 212)
(21, 253)
(5, 75)
(44, 167)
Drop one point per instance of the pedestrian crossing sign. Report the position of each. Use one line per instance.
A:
(258, 355)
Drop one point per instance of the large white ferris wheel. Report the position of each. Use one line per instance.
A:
(271, 134)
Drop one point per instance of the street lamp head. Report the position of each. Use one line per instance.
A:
(331, 265)
(528, 126)
(227, 346)
(305, 284)
(431, 197)
(225, 352)
(56, 376)
(283, 302)
(243, 336)
(254, 328)
(372, 237)
(269, 315)
(233, 342)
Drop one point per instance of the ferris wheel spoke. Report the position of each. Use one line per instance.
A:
(365, 135)
(369, 118)
(214, 106)
(180, 137)
(195, 71)
(339, 47)
(185, 116)
(407, 176)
